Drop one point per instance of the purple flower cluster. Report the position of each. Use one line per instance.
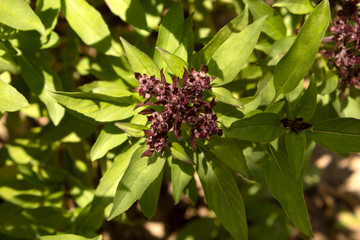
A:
(345, 56)
(183, 104)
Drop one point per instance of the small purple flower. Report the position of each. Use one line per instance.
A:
(345, 55)
(182, 105)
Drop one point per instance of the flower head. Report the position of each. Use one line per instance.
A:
(182, 105)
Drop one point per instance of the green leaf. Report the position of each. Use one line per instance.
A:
(175, 63)
(287, 190)
(295, 6)
(106, 189)
(140, 173)
(109, 138)
(88, 24)
(170, 32)
(262, 127)
(231, 28)
(48, 11)
(149, 199)
(40, 79)
(230, 57)
(222, 195)
(68, 237)
(139, 61)
(132, 129)
(19, 15)
(131, 12)
(274, 25)
(96, 107)
(338, 135)
(31, 40)
(296, 63)
(10, 99)
(295, 146)
(306, 105)
(225, 96)
(178, 152)
(181, 174)
(6, 61)
(230, 153)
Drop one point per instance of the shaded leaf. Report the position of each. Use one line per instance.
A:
(88, 24)
(181, 174)
(131, 12)
(306, 105)
(140, 173)
(338, 135)
(6, 61)
(274, 25)
(262, 127)
(149, 199)
(48, 12)
(222, 195)
(178, 152)
(40, 78)
(230, 153)
(295, 147)
(287, 190)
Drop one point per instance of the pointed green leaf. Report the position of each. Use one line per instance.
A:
(230, 57)
(170, 32)
(40, 79)
(230, 153)
(262, 127)
(233, 27)
(140, 173)
(6, 61)
(181, 174)
(96, 107)
(178, 152)
(109, 138)
(222, 195)
(48, 11)
(287, 190)
(175, 63)
(88, 24)
(134, 130)
(10, 99)
(130, 11)
(139, 61)
(19, 15)
(274, 25)
(295, 147)
(295, 6)
(338, 135)
(225, 96)
(68, 237)
(149, 199)
(305, 107)
(296, 63)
